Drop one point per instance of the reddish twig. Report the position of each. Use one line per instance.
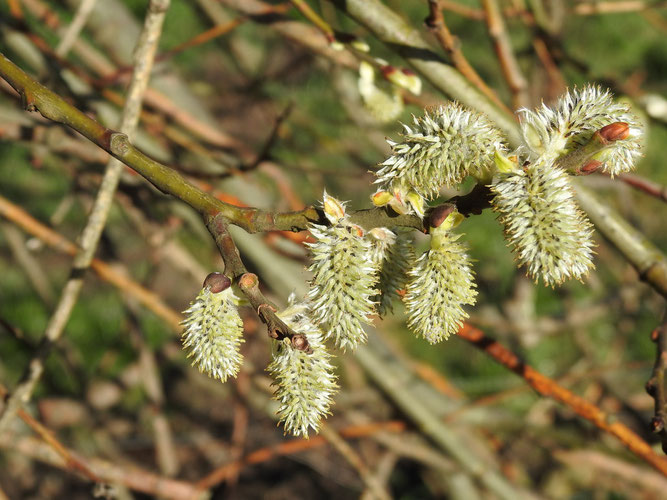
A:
(656, 384)
(71, 462)
(645, 186)
(508, 63)
(556, 79)
(452, 46)
(225, 471)
(550, 388)
(15, 9)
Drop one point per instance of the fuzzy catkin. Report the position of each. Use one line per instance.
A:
(383, 105)
(542, 223)
(305, 383)
(441, 283)
(342, 283)
(578, 114)
(392, 254)
(441, 149)
(213, 332)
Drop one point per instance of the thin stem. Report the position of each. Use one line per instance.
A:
(656, 384)
(550, 388)
(452, 45)
(508, 63)
(75, 27)
(315, 18)
(144, 56)
(249, 283)
(647, 259)
(392, 29)
(644, 185)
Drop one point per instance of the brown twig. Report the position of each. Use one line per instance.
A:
(15, 9)
(336, 440)
(132, 477)
(645, 186)
(249, 284)
(656, 384)
(223, 472)
(550, 388)
(105, 271)
(508, 63)
(144, 55)
(452, 46)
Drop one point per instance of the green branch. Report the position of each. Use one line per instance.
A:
(36, 97)
(646, 258)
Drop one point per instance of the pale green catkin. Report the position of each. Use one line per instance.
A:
(441, 284)
(441, 149)
(343, 278)
(305, 383)
(213, 332)
(546, 230)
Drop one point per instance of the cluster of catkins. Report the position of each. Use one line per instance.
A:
(357, 273)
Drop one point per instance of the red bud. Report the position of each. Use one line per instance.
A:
(590, 167)
(615, 132)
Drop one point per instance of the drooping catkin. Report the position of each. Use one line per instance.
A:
(342, 286)
(304, 380)
(441, 284)
(547, 231)
(213, 330)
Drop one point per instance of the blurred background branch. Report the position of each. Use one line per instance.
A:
(118, 396)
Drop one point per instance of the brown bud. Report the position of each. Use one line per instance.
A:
(657, 424)
(217, 282)
(387, 71)
(300, 342)
(439, 214)
(614, 132)
(655, 335)
(248, 281)
(590, 167)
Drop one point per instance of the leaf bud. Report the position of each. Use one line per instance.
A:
(217, 282)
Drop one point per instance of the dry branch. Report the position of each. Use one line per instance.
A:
(550, 388)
